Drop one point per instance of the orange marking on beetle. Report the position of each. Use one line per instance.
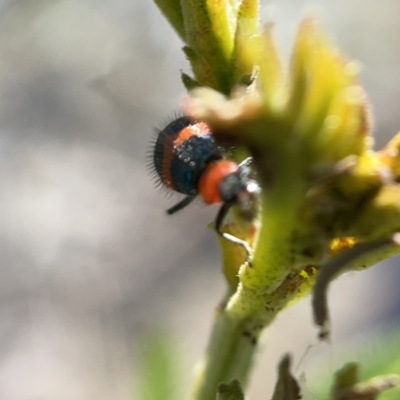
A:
(210, 180)
(174, 141)
(197, 129)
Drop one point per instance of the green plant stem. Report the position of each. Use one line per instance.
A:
(230, 355)
(234, 340)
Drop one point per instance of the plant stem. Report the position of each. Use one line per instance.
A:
(230, 355)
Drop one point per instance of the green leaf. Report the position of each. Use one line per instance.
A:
(173, 12)
(210, 27)
(248, 17)
(188, 82)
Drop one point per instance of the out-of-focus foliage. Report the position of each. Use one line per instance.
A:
(377, 355)
(159, 369)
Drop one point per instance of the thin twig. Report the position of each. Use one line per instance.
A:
(332, 269)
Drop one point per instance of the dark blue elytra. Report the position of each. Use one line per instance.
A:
(179, 167)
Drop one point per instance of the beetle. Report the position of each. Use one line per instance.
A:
(187, 159)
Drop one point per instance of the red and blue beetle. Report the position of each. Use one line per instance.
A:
(187, 159)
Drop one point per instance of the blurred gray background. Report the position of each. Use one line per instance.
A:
(89, 261)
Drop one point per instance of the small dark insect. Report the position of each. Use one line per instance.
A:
(187, 159)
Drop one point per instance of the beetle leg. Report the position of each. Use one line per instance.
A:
(182, 204)
(222, 213)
